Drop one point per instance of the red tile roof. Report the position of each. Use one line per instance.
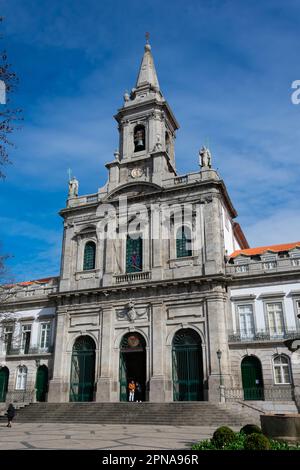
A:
(36, 281)
(261, 249)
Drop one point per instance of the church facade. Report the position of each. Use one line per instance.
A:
(158, 283)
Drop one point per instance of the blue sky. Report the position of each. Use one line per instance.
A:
(226, 69)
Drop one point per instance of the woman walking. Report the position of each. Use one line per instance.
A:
(11, 411)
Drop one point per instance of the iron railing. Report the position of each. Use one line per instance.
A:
(34, 350)
(277, 392)
(257, 336)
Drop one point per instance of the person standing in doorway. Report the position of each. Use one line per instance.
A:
(11, 411)
(138, 392)
(131, 388)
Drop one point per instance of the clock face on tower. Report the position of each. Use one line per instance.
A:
(136, 172)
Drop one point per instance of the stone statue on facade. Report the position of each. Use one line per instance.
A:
(73, 187)
(131, 312)
(205, 157)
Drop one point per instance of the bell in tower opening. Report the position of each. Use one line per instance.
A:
(139, 138)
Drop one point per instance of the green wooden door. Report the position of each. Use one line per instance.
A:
(4, 374)
(252, 378)
(82, 370)
(187, 366)
(41, 383)
(123, 378)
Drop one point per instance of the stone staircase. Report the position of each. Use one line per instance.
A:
(174, 413)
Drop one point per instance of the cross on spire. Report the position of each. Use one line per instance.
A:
(147, 36)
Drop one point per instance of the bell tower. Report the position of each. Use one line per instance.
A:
(147, 129)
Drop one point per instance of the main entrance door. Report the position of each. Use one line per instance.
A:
(187, 366)
(4, 375)
(41, 383)
(252, 378)
(132, 364)
(83, 370)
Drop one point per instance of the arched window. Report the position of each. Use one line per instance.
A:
(89, 256)
(139, 138)
(21, 378)
(282, 374)
(183, 242)
(134, 254)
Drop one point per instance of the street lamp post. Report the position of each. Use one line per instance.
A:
(219, 355)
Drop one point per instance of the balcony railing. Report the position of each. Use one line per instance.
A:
(277, 392)
(262, 267)
(258, 336)
(132, 277)
(34, 350)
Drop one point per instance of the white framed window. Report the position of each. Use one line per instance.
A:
(275, 318)
(21, 378)
(45, 335)
(7, 336)
(246, 320)
(25, 338)
(282, 373)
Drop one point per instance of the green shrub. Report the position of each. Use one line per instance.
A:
(222, 437)
(256, 442)
(250, 429)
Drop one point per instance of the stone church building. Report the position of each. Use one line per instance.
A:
(157, 285)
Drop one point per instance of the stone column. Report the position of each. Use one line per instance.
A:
(158, 333)
(216, 317)
(214, 242)
(104, 382)
(58, 385)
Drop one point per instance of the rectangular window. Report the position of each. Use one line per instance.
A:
(45, 336)
(134, 254)
(246, 320)
(275, 318)
(25, 339)
(8, 334)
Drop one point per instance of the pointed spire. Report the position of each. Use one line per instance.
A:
(147, 72)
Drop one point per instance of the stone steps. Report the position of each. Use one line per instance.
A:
(175, 413)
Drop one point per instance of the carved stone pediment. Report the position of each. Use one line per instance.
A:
(134, 189)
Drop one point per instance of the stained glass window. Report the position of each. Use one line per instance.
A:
(89, 256)
(134, 254)
(183, 242)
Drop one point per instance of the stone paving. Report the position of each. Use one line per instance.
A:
(97, 436)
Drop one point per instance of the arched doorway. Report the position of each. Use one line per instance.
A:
(41, 383)
(83, 369)
(187, 366)
(252, 378)
(132, 363)
(4, 375)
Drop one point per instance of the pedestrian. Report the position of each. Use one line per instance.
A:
(11, 411)
(131, 388)
(138, 392)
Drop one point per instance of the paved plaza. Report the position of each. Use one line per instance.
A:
(97, 436)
